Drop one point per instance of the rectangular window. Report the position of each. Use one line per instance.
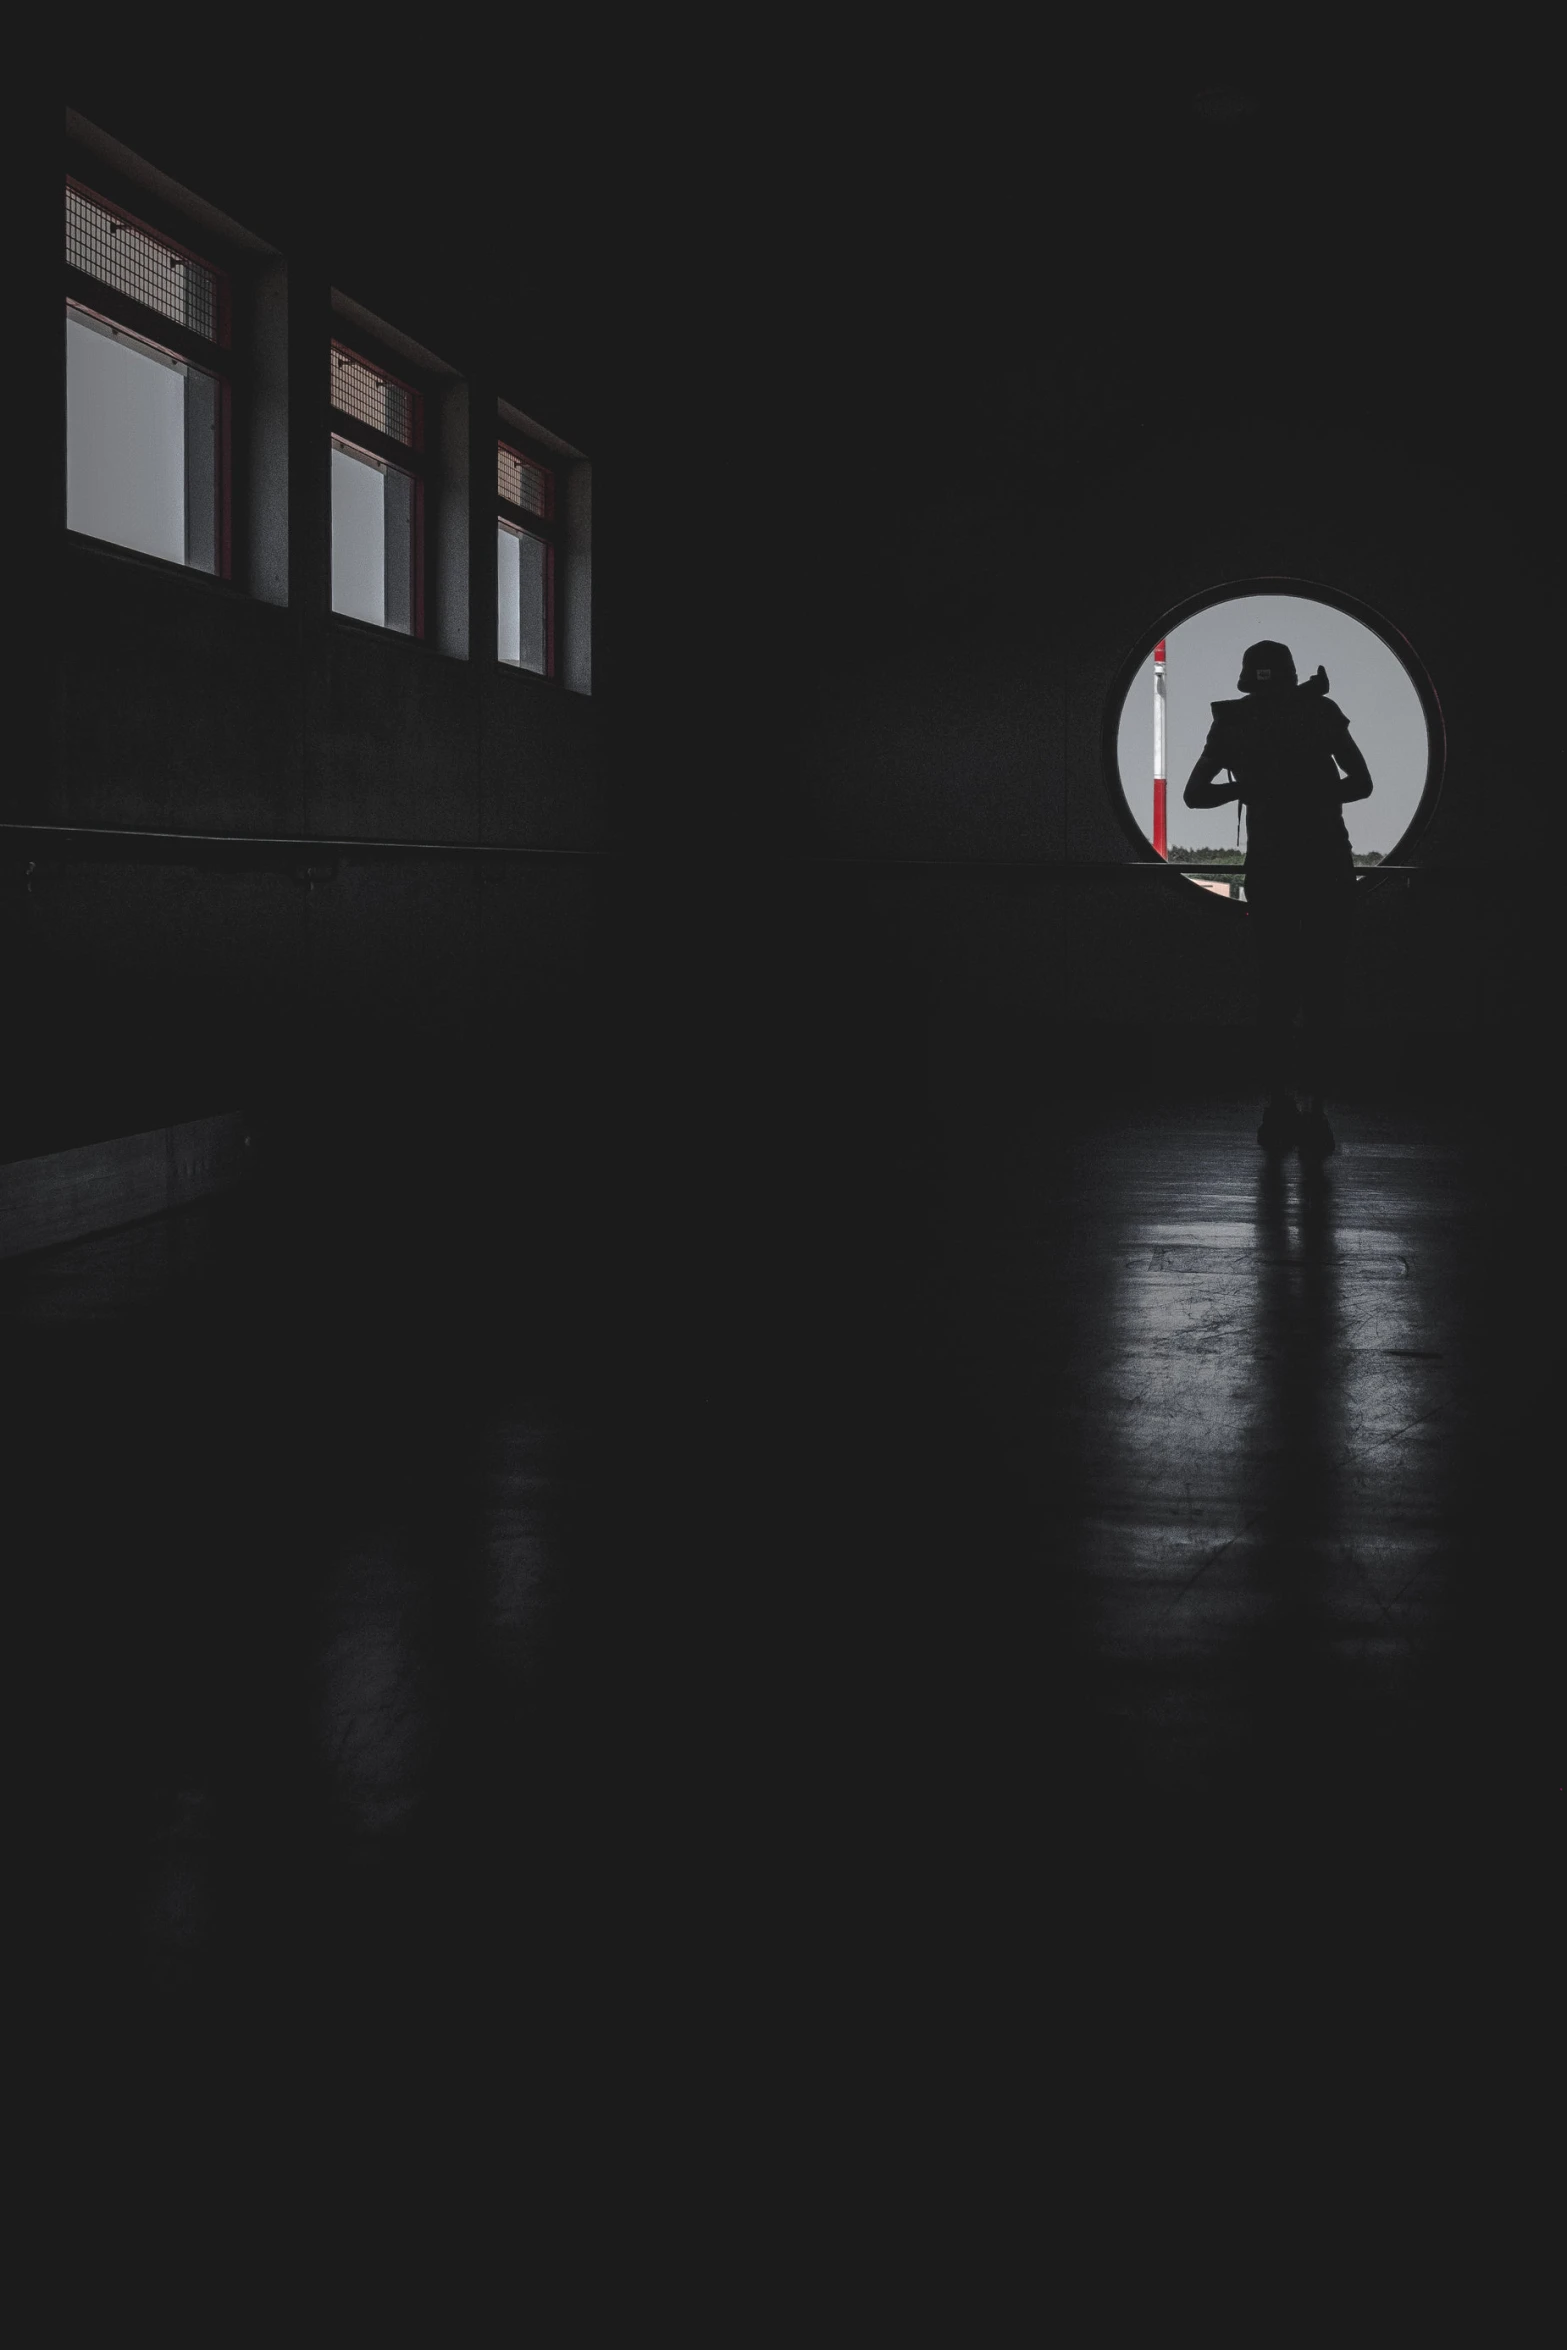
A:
(147, 388)
(377, 495)
(525, 559)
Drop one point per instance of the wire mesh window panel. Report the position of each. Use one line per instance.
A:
(371, 397)
(106, 244)
(522, 483)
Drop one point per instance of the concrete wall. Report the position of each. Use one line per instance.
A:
(186, 705)
(734, 749)
(978, 745)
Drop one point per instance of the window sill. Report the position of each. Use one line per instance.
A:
(381, 634)
(373, 632)
(208, 581)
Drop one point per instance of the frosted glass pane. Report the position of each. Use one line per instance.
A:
(124, 443)
(508, 637)
(358, 539)
(532, 558)
(398, 495)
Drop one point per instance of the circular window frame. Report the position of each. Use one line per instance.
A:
(1308, 591)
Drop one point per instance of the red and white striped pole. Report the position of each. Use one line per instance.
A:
(1161, 836)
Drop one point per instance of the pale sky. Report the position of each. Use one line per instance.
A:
(1203, 661)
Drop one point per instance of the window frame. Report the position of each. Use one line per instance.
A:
(91, 297)
(405, 457)
(1306, 590)
(545, 528)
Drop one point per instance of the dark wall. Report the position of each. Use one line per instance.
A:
(913, 408)
(185, 703)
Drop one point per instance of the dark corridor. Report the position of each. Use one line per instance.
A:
(756, 1578)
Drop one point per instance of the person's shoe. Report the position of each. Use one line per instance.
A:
(1280, 1126)
(1316, 1135)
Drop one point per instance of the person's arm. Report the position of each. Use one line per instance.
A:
(1201, 789)
(1357, 783)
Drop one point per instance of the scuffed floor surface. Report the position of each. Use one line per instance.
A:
(845, 1577)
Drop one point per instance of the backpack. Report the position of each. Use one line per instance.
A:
(1281, 741)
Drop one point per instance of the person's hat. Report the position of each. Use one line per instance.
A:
(1266, 664)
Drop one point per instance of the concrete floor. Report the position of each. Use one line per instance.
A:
(847, 1576)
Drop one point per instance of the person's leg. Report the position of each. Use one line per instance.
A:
(1325, 919)
(1324, 940)
(1274, 925)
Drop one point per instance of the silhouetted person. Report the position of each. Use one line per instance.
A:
(1285, 746)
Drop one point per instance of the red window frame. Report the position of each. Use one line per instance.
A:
(405, 457)
(531, 525)
(144, 324)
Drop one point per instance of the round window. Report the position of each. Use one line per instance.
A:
(1167, 706)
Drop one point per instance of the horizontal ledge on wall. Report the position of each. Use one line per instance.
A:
(68, 1195)
(312, 856)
